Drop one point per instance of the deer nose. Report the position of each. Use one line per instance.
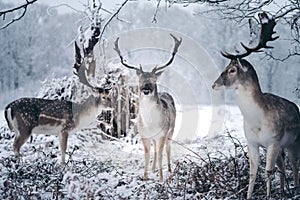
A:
(147, 88)
(214, 85)
(146, 92)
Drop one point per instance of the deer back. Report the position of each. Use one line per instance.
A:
(28, 113)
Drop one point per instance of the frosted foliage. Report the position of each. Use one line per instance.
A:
(69, 88)
(66, 88)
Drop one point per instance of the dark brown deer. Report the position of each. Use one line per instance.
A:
(270, 121)
(58, 117)
(156, 117)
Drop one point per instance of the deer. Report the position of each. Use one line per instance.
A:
(157, 112)
(269, 121)
(26, 116)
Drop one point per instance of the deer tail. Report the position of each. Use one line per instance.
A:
(9, 117)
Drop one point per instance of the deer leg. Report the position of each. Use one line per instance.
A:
(272, 154)
(293, 158)
(161, 144)
(20, 139)
(168, 149)
(281, 167)
(154, 156)
(63, 145)
(253, 152)
(146, 144)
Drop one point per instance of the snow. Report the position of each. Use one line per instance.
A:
(99, 168)
(124, 158)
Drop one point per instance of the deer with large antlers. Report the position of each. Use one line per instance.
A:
(270, 121)
(57, 117)
(156, 117)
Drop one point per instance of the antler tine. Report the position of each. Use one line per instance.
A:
(266, 31)
(80, 71)
(228, 55)
(177, 43)
(175, 50)
(117, 49)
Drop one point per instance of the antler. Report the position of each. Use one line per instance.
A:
(80, 70)
(176, 46)
(266, 31)
(117, 49)
(89, 38)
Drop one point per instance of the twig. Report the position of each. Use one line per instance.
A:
(209, 163)
(63, 5)
(111, 18)
(154, 20)
(4, 12)
(198, 155)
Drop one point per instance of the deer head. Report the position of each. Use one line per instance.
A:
(147, 80)
(240, 71)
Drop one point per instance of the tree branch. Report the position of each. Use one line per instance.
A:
(197, 1)
(154, 20)
(23, 6)
(111, 18)
(287, 13)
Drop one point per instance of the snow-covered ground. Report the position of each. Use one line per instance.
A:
(194, 128)
(101, 169)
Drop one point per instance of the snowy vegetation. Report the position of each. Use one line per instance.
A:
(101, 169)
(38, 60)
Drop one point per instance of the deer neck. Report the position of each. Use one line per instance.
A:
(86, 112)
(249, 98)
(151, 100)
(150, 110)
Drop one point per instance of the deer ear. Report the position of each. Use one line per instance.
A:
(241, 65)
(140, 70)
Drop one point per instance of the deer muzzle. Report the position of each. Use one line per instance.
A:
(218, 84)
(147, 89)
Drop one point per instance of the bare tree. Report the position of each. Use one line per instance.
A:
(286, 13)
(17, 13)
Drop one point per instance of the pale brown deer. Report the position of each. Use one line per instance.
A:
(270, 121)
(157, 113)
(57, 117)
